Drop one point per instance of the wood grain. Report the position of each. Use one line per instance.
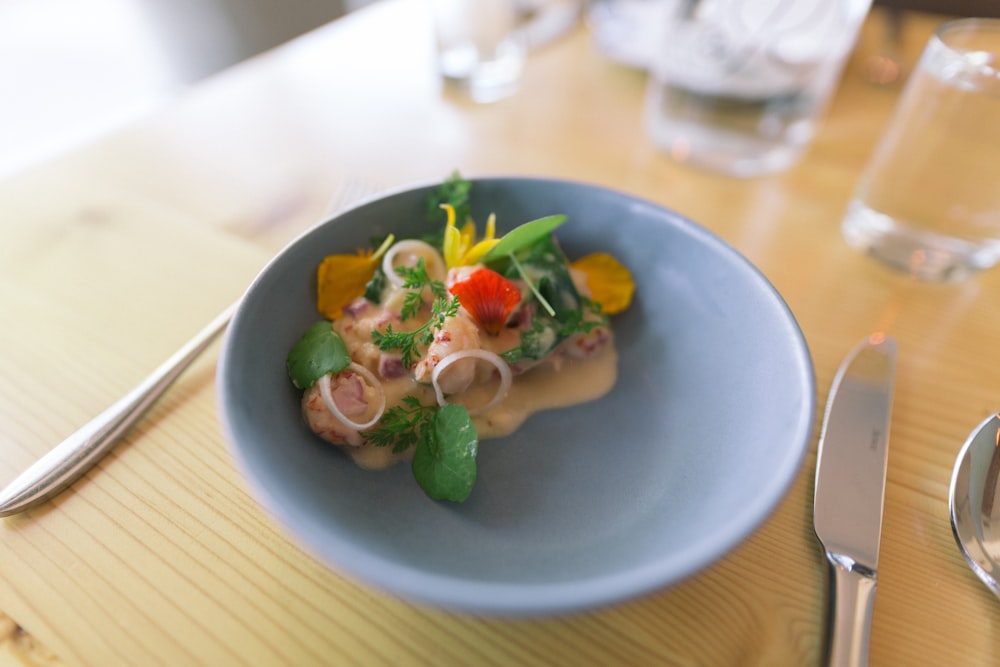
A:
(20, 649)
(114, 255)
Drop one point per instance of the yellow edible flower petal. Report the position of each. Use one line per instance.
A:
(609, 282)
(491, 228)
(468, 236)
(340, 279)
(452, 247)
(478, 251)
(460, 247)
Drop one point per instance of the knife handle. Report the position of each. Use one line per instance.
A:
(852, 598)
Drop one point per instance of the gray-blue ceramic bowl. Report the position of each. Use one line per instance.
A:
(587, 506)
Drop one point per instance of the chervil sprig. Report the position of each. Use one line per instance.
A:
(444, 306)
(401, 426)
(415, 278)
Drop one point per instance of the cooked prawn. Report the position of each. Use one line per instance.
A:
(458, 333)
(353, 398)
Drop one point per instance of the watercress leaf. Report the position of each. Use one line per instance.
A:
(444, 463)
(321, 350)
(523, 236)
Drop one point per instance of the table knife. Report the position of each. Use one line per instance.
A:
(850, 492)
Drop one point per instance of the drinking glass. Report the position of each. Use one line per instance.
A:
(480, 46)
(928, 202)
(738, 85)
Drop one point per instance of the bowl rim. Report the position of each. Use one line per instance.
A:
(456, 593)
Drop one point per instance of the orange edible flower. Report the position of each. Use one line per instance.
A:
(609, 282)
(340, 279)
(489, 297)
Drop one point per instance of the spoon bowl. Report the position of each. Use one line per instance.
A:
(974, 501)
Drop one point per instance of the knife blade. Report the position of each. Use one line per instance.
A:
(850, 491)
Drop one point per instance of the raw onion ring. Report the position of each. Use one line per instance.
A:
(506, 377)
(327, 393)
(417, 247)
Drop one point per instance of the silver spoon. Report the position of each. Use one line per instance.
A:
(974, 501)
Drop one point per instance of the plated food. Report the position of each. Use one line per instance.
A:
(433, 343)
(693, 447)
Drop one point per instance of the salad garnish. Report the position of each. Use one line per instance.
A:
(433, 319)
(609, 282)
(488, 297)
(414, 280)
(444, 461)
(320, 351)
(342, 278)
(460, 248)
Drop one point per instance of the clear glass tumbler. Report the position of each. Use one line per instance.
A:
(737, 86)
(481, 47)
(928, 202)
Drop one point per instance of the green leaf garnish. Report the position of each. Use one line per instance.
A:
(415, 278)
(444, 463)
(584, 320)
(401, 425)
(548, 267)
(523, 236)
(531, 285)
(443, 307)
(320, 351)
(375, 286)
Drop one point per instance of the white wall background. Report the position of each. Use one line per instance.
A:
(71, 70)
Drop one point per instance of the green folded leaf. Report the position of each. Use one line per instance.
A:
(444, 463)
(523, 236)
(321, 350)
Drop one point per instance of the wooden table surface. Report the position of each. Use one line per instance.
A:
(114, 255)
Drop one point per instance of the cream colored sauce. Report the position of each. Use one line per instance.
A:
(545, 387)
(548, 387)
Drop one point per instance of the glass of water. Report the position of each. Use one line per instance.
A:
(737, 86)
(928, 202)
(480, 45)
